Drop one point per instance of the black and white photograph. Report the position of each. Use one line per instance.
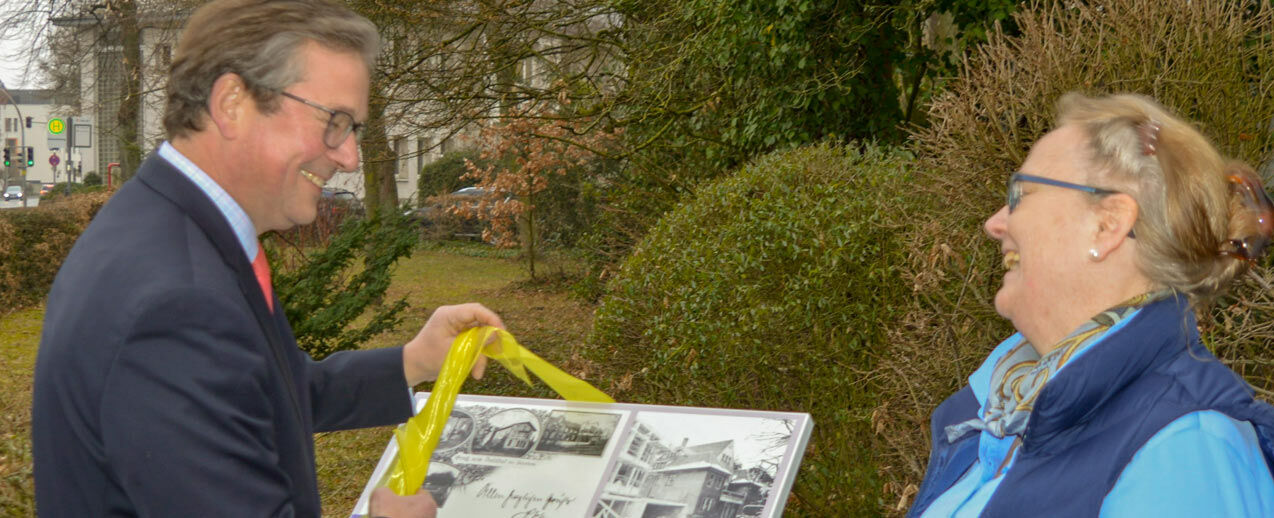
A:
(439, 481)
(579, 433)
(458, 430)
(509, 433)
(501, 457)
(676, 465)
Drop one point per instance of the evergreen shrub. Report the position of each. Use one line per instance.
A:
(334, 296)
(1210, 62)
(770, 289)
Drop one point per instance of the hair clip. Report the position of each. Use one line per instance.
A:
(1149, 133)
(1251, 194)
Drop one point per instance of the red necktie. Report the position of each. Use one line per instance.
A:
(262, 269)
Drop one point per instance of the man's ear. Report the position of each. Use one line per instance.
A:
(227, 108)
(1116, 215)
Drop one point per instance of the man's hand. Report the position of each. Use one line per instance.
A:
(385, 504)
(423, 355)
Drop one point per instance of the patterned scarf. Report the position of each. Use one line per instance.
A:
(1020, 375)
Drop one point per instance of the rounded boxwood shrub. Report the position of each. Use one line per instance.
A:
(770, 290)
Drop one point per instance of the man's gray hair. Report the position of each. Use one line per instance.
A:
(259, 40)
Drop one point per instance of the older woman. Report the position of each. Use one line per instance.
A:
(1120, 223)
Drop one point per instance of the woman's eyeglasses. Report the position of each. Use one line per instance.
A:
(1015, 189)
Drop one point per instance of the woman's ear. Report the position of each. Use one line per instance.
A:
(226, 108)
(1116, 215)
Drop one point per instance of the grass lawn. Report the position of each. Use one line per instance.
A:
(19, 334)
(541, 315)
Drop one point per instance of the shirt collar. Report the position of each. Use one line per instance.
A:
(230, 209)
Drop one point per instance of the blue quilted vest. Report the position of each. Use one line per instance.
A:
(1091, 418)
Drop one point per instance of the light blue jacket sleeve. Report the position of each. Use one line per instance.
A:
(1202, 464)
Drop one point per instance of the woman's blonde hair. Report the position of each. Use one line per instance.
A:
(1187, 213)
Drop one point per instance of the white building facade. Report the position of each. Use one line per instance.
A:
(18, 108)
(101, 74)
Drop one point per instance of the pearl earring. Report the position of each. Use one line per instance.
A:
(1093, 252)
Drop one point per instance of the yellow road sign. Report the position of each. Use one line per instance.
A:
(56, 126)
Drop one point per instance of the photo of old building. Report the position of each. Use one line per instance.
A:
(655, 477)
(509, 433)
(458, 429)
(580, 433)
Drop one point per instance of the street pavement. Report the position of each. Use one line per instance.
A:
(17, 204)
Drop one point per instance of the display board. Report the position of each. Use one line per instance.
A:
(505, 457)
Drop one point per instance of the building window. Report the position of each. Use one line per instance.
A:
(421, 146)
(705, 505)
(165, 54)
(611, 509)
(108, 85)
(629, 475)
(634, 449)
(400, 152)
(649, 455)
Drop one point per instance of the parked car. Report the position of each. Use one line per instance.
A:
(439, 220)
(339, 202)
(45, 188)
(13, 192)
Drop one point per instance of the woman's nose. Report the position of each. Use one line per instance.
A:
(997, 224)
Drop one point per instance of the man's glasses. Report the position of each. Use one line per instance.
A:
(1015, 190)
(340, 124)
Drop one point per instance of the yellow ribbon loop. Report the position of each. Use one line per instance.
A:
(419, 436)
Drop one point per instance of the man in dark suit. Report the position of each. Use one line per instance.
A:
(168, 382)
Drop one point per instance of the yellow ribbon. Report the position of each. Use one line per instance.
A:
(419, 436)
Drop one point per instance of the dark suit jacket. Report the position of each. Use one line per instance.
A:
(163, 384)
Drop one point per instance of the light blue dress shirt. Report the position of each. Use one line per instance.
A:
(239, 222)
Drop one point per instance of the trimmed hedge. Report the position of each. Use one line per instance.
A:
(35, 241)
(771, 290)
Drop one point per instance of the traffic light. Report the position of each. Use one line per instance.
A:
(30, 156)
(28, 122)
(7, 162)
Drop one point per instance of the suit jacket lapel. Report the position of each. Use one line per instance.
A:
(170, 183)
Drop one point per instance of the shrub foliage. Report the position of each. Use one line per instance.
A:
(325, 291)
(35, 241)
(1210, 62)
(768, 290)
(442, 176)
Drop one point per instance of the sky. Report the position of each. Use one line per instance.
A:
(748, 433)
(12, 70)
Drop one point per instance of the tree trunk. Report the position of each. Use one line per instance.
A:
(526, 224)
(128, 118)
(379, 184)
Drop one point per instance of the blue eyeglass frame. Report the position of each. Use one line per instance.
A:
(1014, 196)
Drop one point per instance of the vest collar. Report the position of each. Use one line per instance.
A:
(1159, 332)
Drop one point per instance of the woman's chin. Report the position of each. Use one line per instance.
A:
(1002, 304)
